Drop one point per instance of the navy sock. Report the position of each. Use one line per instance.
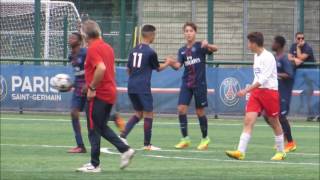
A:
(77, 131)
(183, 125)
(147, 131)
(129, 126)
(286, 128)
(203, 121)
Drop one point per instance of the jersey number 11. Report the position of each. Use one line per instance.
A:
(135, 63)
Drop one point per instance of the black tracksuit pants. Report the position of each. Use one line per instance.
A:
(98, 113)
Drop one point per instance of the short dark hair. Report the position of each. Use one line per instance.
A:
(256, 37)
(146, 29)
(280, 40)
(299, 33)
(79, 36)
(190, 24)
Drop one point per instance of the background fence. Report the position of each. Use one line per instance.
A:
(224, 22)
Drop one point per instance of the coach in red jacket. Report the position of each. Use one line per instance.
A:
(101, 94)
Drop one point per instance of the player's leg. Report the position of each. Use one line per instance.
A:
(118, 121)
(249, 121)
(253, 108)
(137, 105)
(100, 114)
(284, 110)
(200, 96)
(185, 97)
(270, 102)
(147, 103)
(77, 105)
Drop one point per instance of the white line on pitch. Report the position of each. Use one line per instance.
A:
(158, 123)
(107, 149)
(224, 160)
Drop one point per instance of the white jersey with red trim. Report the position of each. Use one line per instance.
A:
(265, 70)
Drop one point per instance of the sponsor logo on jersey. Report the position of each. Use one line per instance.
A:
(191, 61)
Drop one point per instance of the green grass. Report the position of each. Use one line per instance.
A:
(23, 156)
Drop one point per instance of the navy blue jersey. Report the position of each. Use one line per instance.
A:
(306, 49)
(285, 85)
(77, 62)
(194, 61)
(142, 60)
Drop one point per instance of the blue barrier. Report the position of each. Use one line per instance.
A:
(28, 87)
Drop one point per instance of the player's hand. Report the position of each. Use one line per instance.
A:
(91, 94)
(170, 60)
(204, 44)
(84, 90)
(242, 93)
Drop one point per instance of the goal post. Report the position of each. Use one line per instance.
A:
(17, 28)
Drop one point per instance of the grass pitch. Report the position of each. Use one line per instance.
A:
(34, 147)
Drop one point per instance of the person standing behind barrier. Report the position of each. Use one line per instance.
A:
(285, 70)
(301, 52)
(101, 95)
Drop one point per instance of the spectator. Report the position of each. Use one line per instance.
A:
(301, 52)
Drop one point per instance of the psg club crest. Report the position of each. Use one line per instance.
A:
(3, 88)
(228, 91)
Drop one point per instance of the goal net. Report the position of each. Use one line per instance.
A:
(17, 27)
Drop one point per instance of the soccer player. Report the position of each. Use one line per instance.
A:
(101, 95)
(193, 57)
(285, 71)
(142, 60)
(263, 96)
(77, 58)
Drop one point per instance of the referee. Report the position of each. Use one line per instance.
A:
(101, 94)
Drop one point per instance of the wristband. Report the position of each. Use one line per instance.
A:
(92, 89)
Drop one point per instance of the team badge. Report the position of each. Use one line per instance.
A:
(228, 91)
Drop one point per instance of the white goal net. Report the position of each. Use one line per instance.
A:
(17, 27)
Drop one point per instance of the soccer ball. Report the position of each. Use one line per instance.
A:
(62, 82)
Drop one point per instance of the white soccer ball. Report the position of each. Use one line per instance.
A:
(62, 82)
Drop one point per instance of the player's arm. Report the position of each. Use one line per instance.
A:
(283, 76)
(173, 62)
(209, 47)
(98, 75)
(162, 66)
(288, 70)
(248, 89)
(129, 64)
(129, 71)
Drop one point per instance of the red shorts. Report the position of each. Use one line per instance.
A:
(266, 100)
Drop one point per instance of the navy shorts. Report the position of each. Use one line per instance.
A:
(199, 93)
(78, 102)
(142, 102)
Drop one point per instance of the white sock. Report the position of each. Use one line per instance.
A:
(243, 143)
(279, 141)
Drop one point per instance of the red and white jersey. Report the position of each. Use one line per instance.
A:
(265, 70)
